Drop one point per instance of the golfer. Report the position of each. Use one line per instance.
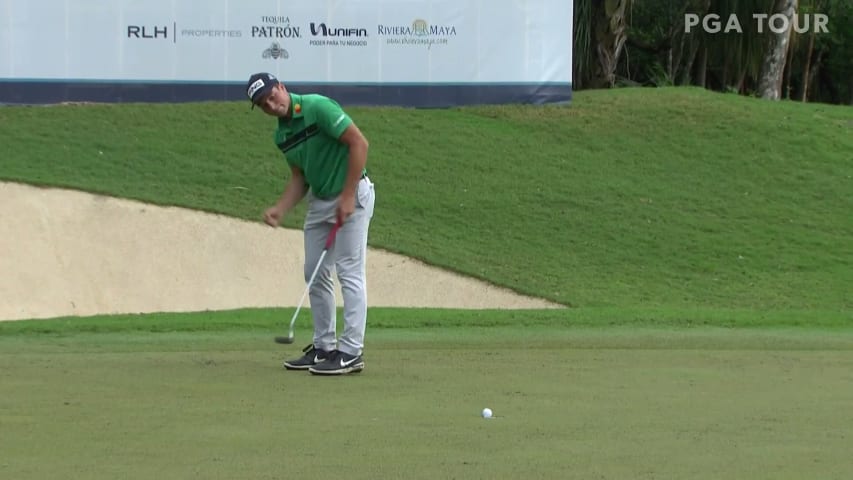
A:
(327, 155)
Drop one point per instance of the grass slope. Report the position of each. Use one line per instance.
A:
(634, 198)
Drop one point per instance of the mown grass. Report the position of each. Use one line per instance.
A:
(276, 320)
(634, 198)
(584, 402)
(704, 237)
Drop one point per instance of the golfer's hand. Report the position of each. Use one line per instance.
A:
(346, 207)
(272, 216)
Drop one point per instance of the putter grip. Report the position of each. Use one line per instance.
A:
(332, 234)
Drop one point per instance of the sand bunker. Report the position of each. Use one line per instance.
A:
(65, 252)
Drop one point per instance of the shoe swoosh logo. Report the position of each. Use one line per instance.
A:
(317, 359)
(347, 364)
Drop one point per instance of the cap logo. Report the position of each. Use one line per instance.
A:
(253, 89)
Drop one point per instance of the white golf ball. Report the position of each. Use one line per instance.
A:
(487, 413)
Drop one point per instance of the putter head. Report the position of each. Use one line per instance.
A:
(287, 340)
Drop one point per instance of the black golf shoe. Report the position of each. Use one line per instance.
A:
(338, 363)
(312, 356)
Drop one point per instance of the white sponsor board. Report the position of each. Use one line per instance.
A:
(313, 41)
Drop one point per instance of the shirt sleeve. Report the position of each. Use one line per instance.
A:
(332, 119)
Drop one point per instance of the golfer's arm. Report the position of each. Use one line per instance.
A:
(357, 144)
(294, 191)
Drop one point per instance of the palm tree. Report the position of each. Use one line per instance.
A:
(772, 68)
(600, 31)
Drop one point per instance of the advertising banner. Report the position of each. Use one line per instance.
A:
(409, 52)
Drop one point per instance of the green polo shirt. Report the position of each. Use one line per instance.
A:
(309, 141)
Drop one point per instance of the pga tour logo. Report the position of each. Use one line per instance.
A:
(777, 23)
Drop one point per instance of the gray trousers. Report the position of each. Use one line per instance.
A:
(347, 256)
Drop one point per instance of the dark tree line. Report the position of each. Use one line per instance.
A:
(646, 42)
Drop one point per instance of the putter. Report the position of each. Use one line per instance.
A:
(329, 241)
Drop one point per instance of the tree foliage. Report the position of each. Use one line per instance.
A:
(657, 49)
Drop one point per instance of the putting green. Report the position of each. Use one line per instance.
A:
(568, 403)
